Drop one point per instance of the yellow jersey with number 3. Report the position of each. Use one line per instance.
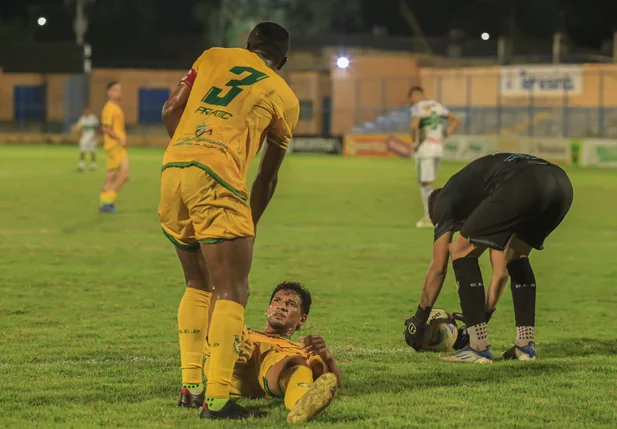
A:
(113, 117)
(236, 102)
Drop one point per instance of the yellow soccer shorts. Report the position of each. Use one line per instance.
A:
(196, 208)
(115, 156)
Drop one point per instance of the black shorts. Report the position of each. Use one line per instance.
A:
(531, 204)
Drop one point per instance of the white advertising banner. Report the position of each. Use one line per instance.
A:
(541, 81)
(599, 153)
(466, 148)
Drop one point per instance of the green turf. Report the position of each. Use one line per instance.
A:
(88, 302)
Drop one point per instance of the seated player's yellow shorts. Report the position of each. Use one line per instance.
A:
(195, 208)
(115, 156)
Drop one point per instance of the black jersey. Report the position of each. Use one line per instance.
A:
(464, 191)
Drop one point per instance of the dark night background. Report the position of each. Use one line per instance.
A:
(154, 30)
(587, 23)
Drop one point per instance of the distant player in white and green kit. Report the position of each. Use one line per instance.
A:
(87, 124)
(427, 135)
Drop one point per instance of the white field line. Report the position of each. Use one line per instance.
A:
(144, 359)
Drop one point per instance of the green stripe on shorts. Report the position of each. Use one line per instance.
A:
(212, 240)
(188, 248)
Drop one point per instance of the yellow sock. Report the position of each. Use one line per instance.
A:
(108, 197)
(295, 382)
(224, 338)
(192, 330)
(111, 196)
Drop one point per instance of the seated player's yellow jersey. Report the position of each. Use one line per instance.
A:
(258, 353)
(113, 117)
(236, 102)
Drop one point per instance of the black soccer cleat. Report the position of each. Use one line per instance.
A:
(231, 411)
(188, 400)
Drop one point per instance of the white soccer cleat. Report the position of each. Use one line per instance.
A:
(425, 222)
(469, 355)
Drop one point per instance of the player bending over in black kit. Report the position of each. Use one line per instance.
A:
(507, 202)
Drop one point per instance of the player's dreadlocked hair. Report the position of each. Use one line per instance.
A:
(432, 199)
(305, 296)
(271, 40)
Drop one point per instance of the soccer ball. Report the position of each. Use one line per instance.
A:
(440, 333)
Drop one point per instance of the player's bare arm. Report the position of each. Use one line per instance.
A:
(415, 132)
(174, 108)
(316, 345)
(266, 179)
(453, 123)
(436, 273)
(433, 283)
(111, 133)
(499, 280)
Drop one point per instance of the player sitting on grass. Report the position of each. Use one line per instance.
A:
(305, 374)
(506, 202)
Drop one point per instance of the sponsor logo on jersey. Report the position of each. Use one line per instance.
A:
(217, 113)
(202, 129)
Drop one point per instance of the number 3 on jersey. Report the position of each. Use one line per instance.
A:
(213, 96)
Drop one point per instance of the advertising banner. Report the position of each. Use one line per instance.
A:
(541, 81)
(378, 145)
(599, 153)
(316, 145)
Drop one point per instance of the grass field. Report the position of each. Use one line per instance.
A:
(88, 302)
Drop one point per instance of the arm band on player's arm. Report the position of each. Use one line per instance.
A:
(272, 139)
(189, 78)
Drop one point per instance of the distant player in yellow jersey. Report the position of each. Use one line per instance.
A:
(226, 106)
(114, 133)
(304, 373)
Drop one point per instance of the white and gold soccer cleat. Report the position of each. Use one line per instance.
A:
(315, 400)
(469, 355)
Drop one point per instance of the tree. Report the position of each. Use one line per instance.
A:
(228, 22)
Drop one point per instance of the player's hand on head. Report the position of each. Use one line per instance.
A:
(414, 333)
(316, 345)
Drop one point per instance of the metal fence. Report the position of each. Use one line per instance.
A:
(551, 101)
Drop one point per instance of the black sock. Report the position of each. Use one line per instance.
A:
(470, 290)
(523, 286)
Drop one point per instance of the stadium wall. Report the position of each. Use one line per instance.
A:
(334, 101)
(592, 85)
(372, 85)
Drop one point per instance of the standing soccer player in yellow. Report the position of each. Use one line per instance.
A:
(115, 148)
(226, 106)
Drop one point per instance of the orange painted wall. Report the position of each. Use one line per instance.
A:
(313, 87)
(370, 86)
(479, 86)
(55, 93)
(7, 82)
(131, 81)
